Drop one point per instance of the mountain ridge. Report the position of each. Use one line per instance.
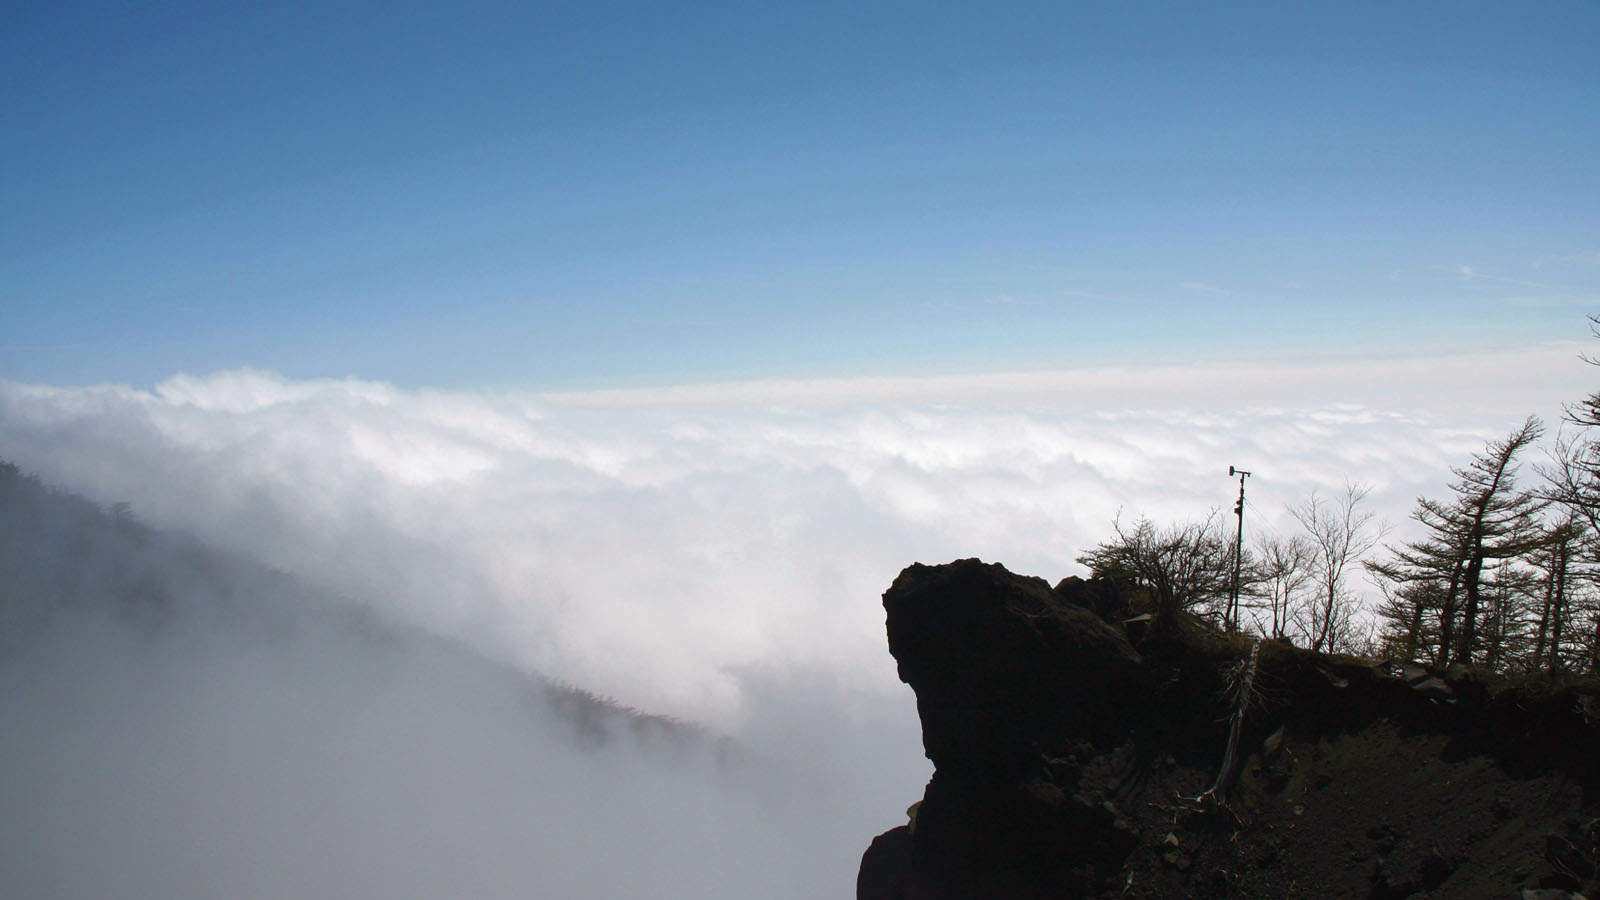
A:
(1077, 755)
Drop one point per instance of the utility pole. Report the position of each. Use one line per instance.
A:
(1238, 550)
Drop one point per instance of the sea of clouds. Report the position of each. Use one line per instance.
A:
(713, 553)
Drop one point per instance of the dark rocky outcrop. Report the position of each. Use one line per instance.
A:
(1000, 662)
(886, 866)
(1071, 761)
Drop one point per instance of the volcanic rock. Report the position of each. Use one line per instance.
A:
(1073, 762)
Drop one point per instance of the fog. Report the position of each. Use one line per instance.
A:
(184, 723)
(334, 693)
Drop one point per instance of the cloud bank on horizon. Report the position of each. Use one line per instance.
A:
(1364, 215)
(666, 547)
(714, 552)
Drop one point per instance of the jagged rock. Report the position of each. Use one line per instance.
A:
(1404, 875)
(1413, 672)
(1100, 596)
(1569, 861)
(1271, 746)
(1002, 664)
(1009, 676)
(1069, 764)
(886, 866)
(1434, 688)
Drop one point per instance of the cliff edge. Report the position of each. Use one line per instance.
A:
(1076, 756)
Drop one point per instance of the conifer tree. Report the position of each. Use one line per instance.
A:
(1486, 521)
(1558, 564)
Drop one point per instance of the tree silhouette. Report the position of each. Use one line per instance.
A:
(1182, 566)
(1486, 521)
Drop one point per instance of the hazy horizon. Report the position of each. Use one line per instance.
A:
(646, 543)
(639, 346)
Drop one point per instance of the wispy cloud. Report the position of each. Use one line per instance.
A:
(1468, 273)
(1590, 258)
(1551, 301)
(1201, 287)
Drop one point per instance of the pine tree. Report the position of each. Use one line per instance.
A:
(1486, 521)
(1557, 561)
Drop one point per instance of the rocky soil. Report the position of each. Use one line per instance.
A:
(1077, 756)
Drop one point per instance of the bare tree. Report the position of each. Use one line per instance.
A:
(1573, 479)
(1339, 533)
(1282, 572)
(1594, 647)
(1182, 566)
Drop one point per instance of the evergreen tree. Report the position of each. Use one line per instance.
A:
(1444, 574)
(1557, 561)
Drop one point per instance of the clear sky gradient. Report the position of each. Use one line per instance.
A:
(587, 195)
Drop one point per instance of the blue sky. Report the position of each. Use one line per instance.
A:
(567, 196)
(640, 344)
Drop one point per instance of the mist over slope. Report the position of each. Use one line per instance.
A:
(183, 722)
(719, 562)
(665, 554)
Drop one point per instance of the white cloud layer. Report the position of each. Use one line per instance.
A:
(714, 553)
(655, 545)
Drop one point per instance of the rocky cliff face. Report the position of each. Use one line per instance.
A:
(1076, 757)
